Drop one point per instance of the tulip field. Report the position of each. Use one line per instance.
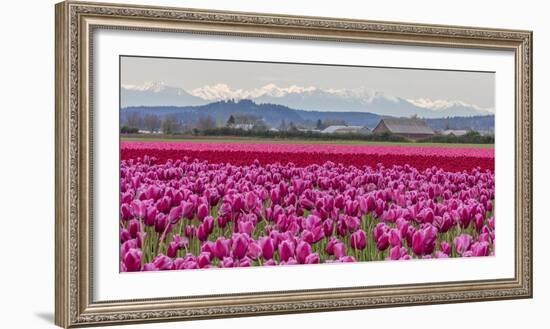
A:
(197, 205)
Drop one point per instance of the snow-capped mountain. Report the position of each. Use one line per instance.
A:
(307, 98)
(157, 93)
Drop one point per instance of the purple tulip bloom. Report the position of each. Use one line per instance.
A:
(303, 249)
(445, 247)
(397, 252)
(312, 258)
(480, 249)
(163, 262)
(462, 243)
(202, 211)
(286, 250)
(254, 250)
(268, 247)
(339, 250)
(239, 245)
(132, 260)
(358, 240)
(222, 248)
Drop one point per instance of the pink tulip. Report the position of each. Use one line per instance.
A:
(127, 245)
(445, 247)
(246, 227)
(254, 250)
(221, 248)
(124, 235)
(150, 216)
(202, 211)
(290, 261)
(251, 199)
(202, 232)
(312, 259)
(347, 259)
(163, 262)
(303, 249)
(239, 245)
(190, 231)
(208, 222)
(203, 260)
(330, 245)
(268, 248)
(480, 249)
(227, 262)
(245, 262)
(188, 210)
(423, 240)
(132, 260)
(462, 243)
(397, 252)
(358, 240)
(439, 254)
(339, 250)
(149, 267)
(479, 221)
(138, 208)
(172, 249)
(175, 214)
(443, 223)
(286, 250)
(133, 228)
(328, 227)
(125, 212)
(395, 237)
(160, 222)
(383, 241)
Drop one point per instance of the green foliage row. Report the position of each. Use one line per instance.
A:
(472, 137)
(289, 134)
(128, 130)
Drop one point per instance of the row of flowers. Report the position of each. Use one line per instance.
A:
(188, 214)
(449, 159)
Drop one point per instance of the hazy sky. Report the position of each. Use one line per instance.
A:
(475, 88)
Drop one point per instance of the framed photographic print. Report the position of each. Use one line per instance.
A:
(217, 164)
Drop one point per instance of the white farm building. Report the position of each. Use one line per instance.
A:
(346, 130)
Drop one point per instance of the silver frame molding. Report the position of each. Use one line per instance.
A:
(75, 24)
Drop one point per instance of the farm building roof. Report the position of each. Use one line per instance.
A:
(406, 126)
(454, 132)
(336, 128)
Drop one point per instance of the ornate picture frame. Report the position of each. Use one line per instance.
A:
(76, 22)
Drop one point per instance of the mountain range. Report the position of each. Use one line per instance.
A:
(274, 114)
(307, 99)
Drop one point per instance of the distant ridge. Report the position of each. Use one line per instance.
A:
(274, 114)
(306, 98)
